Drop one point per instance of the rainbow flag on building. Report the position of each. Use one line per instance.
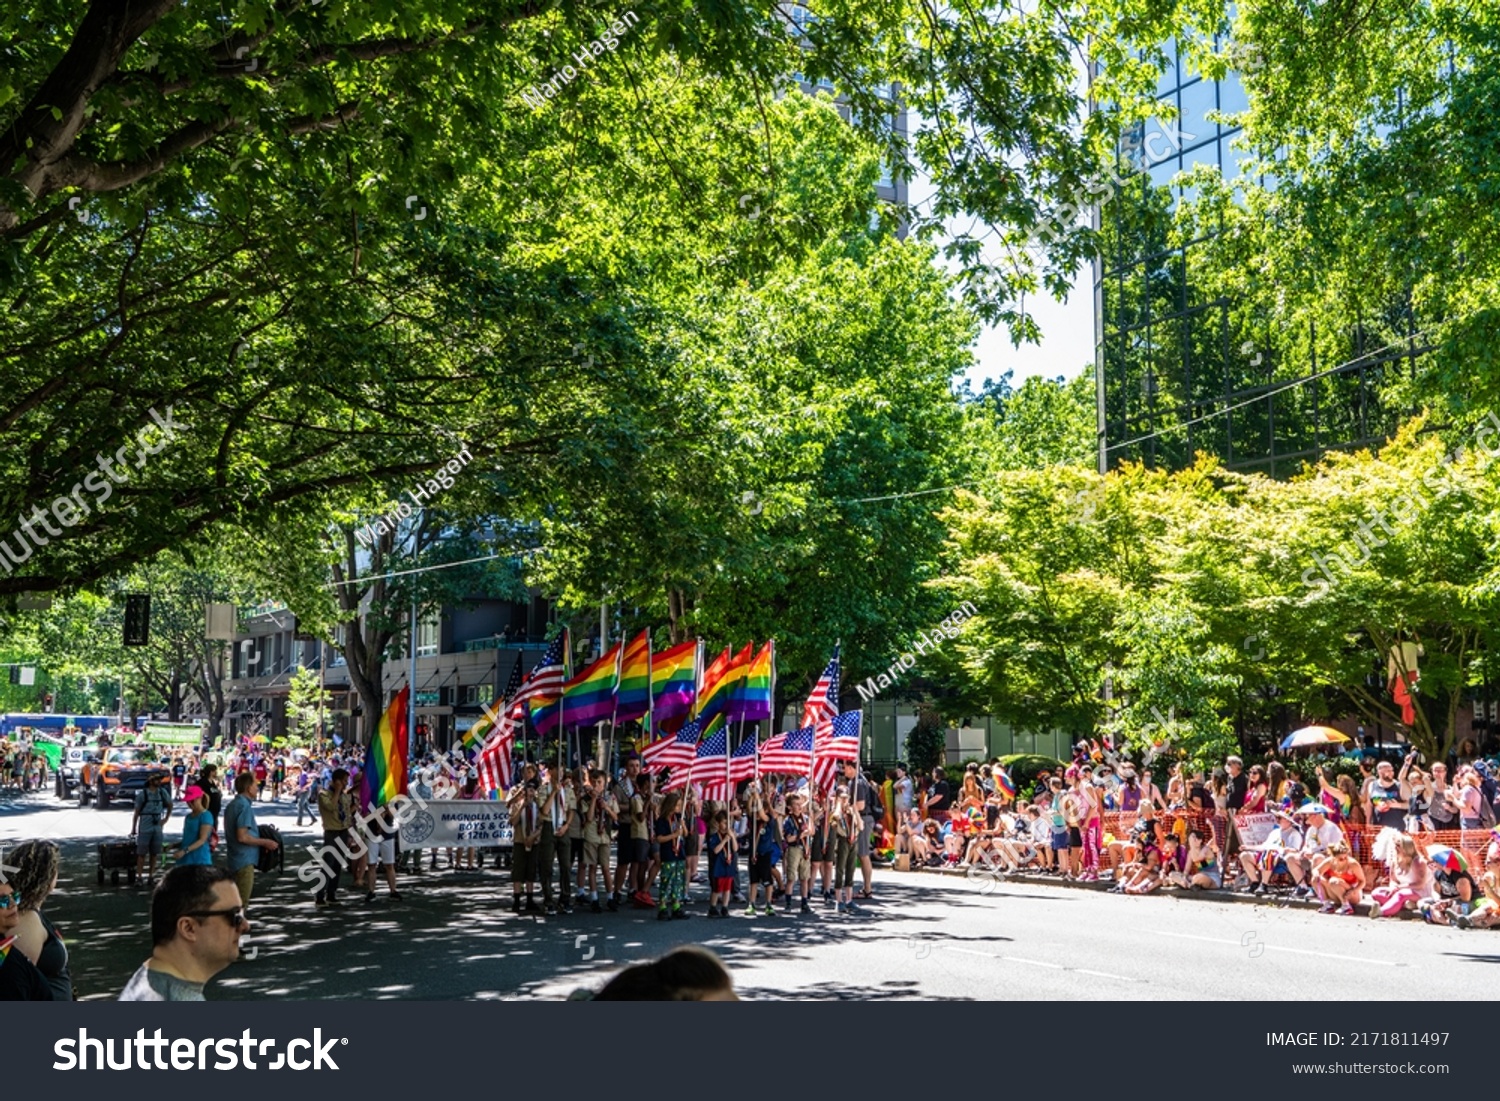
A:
(384, 775)
(750, 700)
(590, 696)
(674, 680)
(633, 697)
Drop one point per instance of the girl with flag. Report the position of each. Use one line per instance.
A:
(671, 835)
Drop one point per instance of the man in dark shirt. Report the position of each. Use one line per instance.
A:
(939, 796)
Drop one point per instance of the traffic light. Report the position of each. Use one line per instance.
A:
(47, 702)
(137, 619)
(15, 674)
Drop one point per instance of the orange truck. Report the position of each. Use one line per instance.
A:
(119, 773)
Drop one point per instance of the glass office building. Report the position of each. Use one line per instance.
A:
(1179, 371)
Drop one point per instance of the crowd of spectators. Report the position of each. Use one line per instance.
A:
(1397, 839)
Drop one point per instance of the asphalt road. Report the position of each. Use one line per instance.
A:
(926, 936)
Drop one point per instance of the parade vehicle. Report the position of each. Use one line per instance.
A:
(120, 772)
(69, 771)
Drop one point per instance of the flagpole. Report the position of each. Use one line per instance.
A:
(647, 720)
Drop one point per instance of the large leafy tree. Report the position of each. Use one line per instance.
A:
(84, 633)
(324, 234)
(1177, 602)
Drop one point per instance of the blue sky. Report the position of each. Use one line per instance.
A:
(1067, 346)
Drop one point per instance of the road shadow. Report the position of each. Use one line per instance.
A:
(453, 936)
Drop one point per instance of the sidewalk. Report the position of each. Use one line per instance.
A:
(1244, 897)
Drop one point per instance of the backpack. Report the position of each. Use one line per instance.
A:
(875, 807)
(1486, 813)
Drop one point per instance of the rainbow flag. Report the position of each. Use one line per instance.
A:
(674, 680)
(751, 698)
(590, 696)
(711, 700)
(633, 697)
(476, 734)
(384, 775)
(716, 698)
(1003, 783)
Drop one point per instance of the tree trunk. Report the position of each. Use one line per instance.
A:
(364, 645)
(675, 630)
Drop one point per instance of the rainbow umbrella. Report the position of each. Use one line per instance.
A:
(1313, 735)
(1448, 859)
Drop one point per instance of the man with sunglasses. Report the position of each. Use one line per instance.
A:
(196, 925)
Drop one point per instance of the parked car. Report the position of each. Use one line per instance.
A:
(119, 774)
(69, 772)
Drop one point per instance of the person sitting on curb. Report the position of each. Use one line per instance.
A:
(1268, 859)
(1339, 880)
(1205, 868)
(1453, 894)
(197, 922)
(1144, 876)
(1486, 911)
(1408, 875)
(1319, 835)
(1131, 850)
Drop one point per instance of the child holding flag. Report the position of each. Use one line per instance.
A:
(671, 835)
(722, 870)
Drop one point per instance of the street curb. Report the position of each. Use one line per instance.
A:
(1279, 901)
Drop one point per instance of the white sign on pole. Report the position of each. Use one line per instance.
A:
(218, 621)
(457, 824)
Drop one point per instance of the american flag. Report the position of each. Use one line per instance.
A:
(545, 681)
(675, 751)
(545, 678)
(742, 762)
(495, 757)
(790, 752)
(823, 701)
(834, 742)
(709, 767)
(494, 760)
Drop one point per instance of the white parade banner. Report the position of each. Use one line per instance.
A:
(455, 824)
(1254, 828)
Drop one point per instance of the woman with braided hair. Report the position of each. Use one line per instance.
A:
(33, 875)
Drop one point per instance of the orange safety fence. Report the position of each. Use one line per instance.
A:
(1471, 843)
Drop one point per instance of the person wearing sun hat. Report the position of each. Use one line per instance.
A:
(1319, 835)
(197, 829)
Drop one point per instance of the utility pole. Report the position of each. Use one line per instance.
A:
(411, 681)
